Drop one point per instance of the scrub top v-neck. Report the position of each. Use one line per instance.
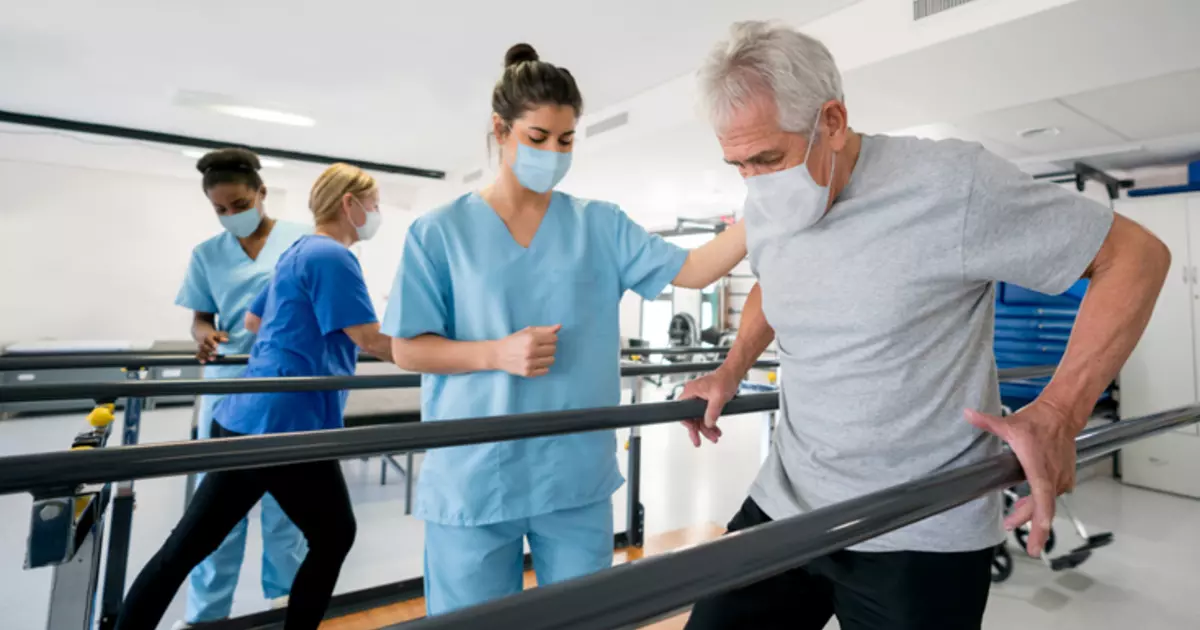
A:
(464, 277)
(224, 280)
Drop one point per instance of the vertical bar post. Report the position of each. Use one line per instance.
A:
(73, 589)
(408, 483)
(635, 516)
(121, 530)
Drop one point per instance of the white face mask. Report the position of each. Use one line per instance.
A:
(370, 226)
(787, 201)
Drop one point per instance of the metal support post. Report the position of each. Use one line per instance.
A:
(122, 521)
(73, 589)
(635, 518)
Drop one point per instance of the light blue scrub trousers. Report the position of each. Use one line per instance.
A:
(468, 565)
(212, 583)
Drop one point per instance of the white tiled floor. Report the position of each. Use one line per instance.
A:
(1149, 578)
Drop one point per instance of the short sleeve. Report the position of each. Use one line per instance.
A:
(195, 293)
(646, 262)
(260, 302)
(339, 294)
(1033, 234)
(417, 304)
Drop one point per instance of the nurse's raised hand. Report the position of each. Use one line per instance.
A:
(528, 352)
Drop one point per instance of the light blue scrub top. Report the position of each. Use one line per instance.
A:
(463, 277)
(222, 279)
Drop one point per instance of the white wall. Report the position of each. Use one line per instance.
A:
(99, 255)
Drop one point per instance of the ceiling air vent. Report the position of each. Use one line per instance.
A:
(926, 8)
(473, 176)
(608, 124)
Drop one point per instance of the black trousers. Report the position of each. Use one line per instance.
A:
(313, 496)
(904, 590)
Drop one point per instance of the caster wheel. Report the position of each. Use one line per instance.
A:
(1002, 565)
(1022, 535)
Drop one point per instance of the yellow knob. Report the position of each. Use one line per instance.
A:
(627, 445)
(100, 417)
(771, 377)
(636, 357)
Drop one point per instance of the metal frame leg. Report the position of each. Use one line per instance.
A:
(73, 589)
(635, 516)
(121, 530)
(408, 483)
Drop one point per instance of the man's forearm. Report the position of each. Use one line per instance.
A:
(1114, 313)
(753, 337)
(431, 354)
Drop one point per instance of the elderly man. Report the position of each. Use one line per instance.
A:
(876, 258)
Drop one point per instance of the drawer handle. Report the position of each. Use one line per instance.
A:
(25, 378)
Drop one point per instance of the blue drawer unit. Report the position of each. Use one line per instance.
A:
(1032, 329)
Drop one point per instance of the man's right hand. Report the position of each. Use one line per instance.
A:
(528, 352)
(210, 346)
(718, 388)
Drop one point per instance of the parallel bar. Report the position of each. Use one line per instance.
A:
(49, 471)
(107, 391)
(625, 595)
(132, 360)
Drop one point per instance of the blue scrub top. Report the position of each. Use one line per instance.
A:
(463, 277)
(317, 291)
(223, 280)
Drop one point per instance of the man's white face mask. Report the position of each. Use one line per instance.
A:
(788, 201)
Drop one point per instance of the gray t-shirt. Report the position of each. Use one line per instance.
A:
(884, 312)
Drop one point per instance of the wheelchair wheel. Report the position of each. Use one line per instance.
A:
(1022, 535)
(1002, 565)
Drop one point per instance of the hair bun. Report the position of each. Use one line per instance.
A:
(518, 54)
(229, 160)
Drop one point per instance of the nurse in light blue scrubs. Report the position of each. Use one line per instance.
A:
(226, 273)
(507, 299)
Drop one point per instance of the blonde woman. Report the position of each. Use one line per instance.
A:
(311, 321)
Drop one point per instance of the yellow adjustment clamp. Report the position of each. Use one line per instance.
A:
(101, 416)
(635, 357)
(771, 377)
(81, 504)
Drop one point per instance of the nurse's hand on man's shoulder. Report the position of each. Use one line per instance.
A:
(528, 352)
(718, 388)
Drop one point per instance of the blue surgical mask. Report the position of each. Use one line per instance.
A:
(540, 170)
(242, 224)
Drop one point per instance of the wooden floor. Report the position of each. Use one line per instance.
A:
(415, 609)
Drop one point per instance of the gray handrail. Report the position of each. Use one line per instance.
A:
(112, 390)
(61, 472)
(647, 588)
(31, 361)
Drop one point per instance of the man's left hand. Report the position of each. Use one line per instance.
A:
(1042, 436)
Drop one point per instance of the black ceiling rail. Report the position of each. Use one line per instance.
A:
(108, 391)
(30, 361)
(142, 135)
(628, 594)
(50, 473)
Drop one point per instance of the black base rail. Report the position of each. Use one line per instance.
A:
(644, 589)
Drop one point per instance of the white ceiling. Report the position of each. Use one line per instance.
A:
(398, 82)
(1120, 79)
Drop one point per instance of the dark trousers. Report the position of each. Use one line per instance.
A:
(903, 590)
(313, 496)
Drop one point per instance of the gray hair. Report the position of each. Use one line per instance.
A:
(764, 57)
